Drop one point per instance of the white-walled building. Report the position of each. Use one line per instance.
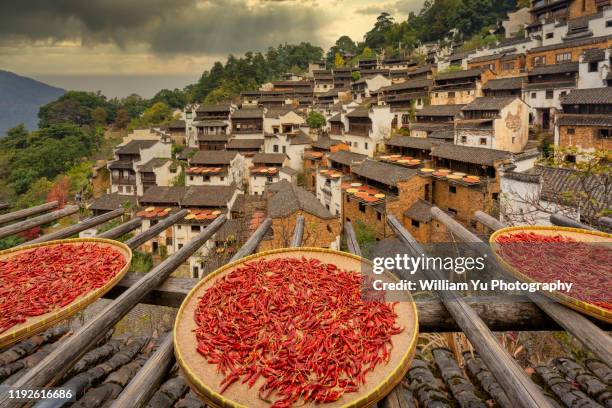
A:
(364, 128)
(282, 120)
(265, 170)
(161, 172)
(363, 87)
(292, 144)
(216, 168)
(594, 68)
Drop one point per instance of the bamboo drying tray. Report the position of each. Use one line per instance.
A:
(36, 324)
(574, 233)
(204, 379)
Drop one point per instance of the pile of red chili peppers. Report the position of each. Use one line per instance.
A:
(298, 325)
(546, 258)
(46, 278)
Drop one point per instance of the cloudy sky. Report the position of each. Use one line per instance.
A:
(121, 46)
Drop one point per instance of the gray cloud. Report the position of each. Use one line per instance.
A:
(401, 6)
(166, 26)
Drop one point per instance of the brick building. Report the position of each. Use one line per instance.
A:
(565, 51)
(505, 64)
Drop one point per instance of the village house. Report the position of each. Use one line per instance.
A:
(326, 101)
(246, 147)
(315, 66)
(156, 200)
(177, 131)
(365, 86)
(329, 178)
(128, 157)
(212, 141)
(426, 71)
(366, 64)
(111, 202)
(459, 87)
(434, 118)
(212, 124)
(285, 202)
(503, 64)
(586, 121)
(265, 170)
(458, 59)
(291, 144)
(545, 12)
(282, 120)
(595, 68)
(323, 81)
(316, 156)
(158, 171)
(399, 75)
(417, 148)
(396, 64)
(511, 86)
(500, 123)
(247, 123)
(565, 51)
(544, 88)
(406, 95)
(250, 99)
(343, 76)
(297, 88)
(363, 128)
(216, 168)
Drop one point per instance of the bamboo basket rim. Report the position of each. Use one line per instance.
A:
(25, 330)
(383, 387)
(569, 301)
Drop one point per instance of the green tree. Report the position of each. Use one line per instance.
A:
(122, 119)
(338, 60)
(174, 98)
(375, 38)
(99, 115)
(158, 114)
(356, 75)
(315, 120)
(75, 107)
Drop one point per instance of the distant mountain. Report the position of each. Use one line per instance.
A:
(20, 98)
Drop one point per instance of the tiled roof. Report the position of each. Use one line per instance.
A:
(572, 44)
(278, 112)
(440, 110)
(153, 164)
(109, 202)
(385, 173)
(568, 67)
(134, 146)
(410, 84)
(412, 142)
(186, 153)
(504, 84)
(468, 154)
(325, 142)
(432, 126)
(489, 103)
(248, 113)
(593, 96)
(359, 112)
(276, 158)
(177, 124)
(566, 119)
(467, 73)
(285, 199)
(419, 211)
(214, 108)
(346, 158)
(336, 118)
(208, 196)
(442, 134)
(594, 55)
(424, 69)
(288, 170)
(300, 139)
(121, 165)
(254, 144)
(163, 195)
(212, 157)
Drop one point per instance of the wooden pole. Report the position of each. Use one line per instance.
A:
(457, 229)
(74, 229)
(488, 221)
(351, 239)
(144, 384)
(298, 232)
(584, 330)
(13, 229)
(122, 229)
(563, 221)
(253, 242)
(17, 215)
(519, 388)
(155, 230)
(605, 222)
(59, 361)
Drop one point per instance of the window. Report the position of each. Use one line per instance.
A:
(550, 35)
(463, 139)
(379, 216)
(270, 179)
(275, 148)
(483, 141)
(178, 226)
(605, 133)
(451, 94)
(196, 272)
(415, 223)
(539, 60)
(153, 222)
(508, 66)
(366, 145)
(168, 241)
(205, 178)
(533, 95)
(284, 149)
(452, 189)
(549, 94)
(180, 246)
(195, 228)
(362, 207)
(563, 57)
(222, 178)
(593, 66)
(495, 196)
(562, 94)
(355, 144)
(452, 211)
(348, 199)
(570, 158)
(571, 131)
(190, 178)
(609, 23)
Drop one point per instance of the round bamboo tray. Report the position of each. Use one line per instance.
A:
(36, 324)
(204, 379)
(575, 233)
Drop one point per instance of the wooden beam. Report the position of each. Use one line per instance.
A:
(253, 242)
(351, 239)
(605, 222)
(51, 369)
(298, 232)
(488, 221)
(563, 221)
(521, 391)
(17, 215)
(25, 225)
(148, 379)
(76, 228)
(155, 230)
(456, 229)
(582, 328)
(501, 313)
(122, 229)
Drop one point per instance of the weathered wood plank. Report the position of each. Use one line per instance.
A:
(155, 230)
(519, 388)
(142, 387)
(26, 212)
(17, 227)
(298, 232)
(76, 228)
(53, 367)
(563, 221)
(351, 239)
(488, 221)
(121, 229)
